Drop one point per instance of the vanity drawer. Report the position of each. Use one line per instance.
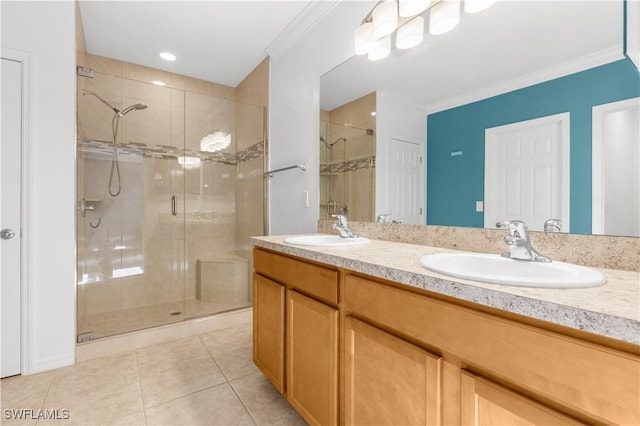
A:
(583, 377)
(315, 280)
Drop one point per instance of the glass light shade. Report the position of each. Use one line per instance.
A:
(410, 34)
(382, 49)
(473, 6)
(215, 141)
(408, 8)
(189, 162)
(444, 16)
(363, 39)
(385, 18)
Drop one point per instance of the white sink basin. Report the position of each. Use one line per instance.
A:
(324, 240)
(493, 268)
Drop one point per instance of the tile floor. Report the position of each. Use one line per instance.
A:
(202, 380)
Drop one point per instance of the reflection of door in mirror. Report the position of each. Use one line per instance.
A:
(406, 177)
(616, 164)
(347, 160)
(527, 172)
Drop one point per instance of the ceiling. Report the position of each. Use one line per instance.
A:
(219, 41)
(510, 45)
(223, 41)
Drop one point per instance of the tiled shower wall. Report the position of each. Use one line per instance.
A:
(347, 176)
(219, 202)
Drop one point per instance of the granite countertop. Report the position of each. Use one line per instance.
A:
(611, 310)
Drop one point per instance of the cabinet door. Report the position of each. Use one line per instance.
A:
(268, 329)
(388, 380)
(312, 358)
(486, 403)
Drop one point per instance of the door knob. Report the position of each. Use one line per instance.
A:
(7, 234)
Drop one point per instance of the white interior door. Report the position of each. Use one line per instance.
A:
(616, 165)
(10, 183)
(527, 172)
(406, 181)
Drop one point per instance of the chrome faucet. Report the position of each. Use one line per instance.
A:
(552, 225)
(519, 242)
(383, 218)
(343, 226)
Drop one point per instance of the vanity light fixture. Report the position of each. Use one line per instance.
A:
(444, 16)
(409, 8)
(216, 141)
(410, 34)
(168, 56)
(473, 6)
(385, 18)
(159, 83)
(381, 49)
(373, 36)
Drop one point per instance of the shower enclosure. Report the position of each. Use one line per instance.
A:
(347, 171)
(173, 244)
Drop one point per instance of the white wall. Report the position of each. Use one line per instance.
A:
(46, 31)
(401, 119)
(294, 115)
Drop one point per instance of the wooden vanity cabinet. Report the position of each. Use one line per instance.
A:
(388, 380)
(268, 329)
(399, 355)
(312, 358)
(502, 371)
(486, 403)
(301, 335)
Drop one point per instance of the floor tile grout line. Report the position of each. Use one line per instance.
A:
(255, 422)
(187, 395)
(144, 410)
(228, 381)
(46, 395)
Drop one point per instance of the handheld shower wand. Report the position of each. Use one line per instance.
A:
(115, 165)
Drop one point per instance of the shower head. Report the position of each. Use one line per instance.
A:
(131, 108)
(88, 92)
(330, 145)
(324, 141)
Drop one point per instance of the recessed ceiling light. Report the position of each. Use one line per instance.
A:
(159, 83)
(168, 56)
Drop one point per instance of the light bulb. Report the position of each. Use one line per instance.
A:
(410, 34)
(444, 16)
(385, 18)
(382, 49)
(363, 39)
(409, 8)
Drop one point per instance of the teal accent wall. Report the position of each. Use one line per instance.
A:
(455, 182)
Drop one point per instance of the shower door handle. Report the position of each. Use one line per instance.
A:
(174, 206)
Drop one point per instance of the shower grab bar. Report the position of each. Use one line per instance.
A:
(302, 167)
(174, 210)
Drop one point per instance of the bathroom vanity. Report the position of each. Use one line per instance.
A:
(365, 335)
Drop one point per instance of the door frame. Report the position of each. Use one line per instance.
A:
(26, 344)
(489, 157)
(597, 159)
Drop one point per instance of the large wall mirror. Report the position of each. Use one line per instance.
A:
(510, 64)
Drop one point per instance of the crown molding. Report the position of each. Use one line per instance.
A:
(583, 63)
(313, 13)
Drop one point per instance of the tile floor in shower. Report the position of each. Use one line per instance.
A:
(117, 322)
(208, 379)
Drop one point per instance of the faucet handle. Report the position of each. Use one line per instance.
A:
(552, 225)
(382, 218)
(517, 228)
